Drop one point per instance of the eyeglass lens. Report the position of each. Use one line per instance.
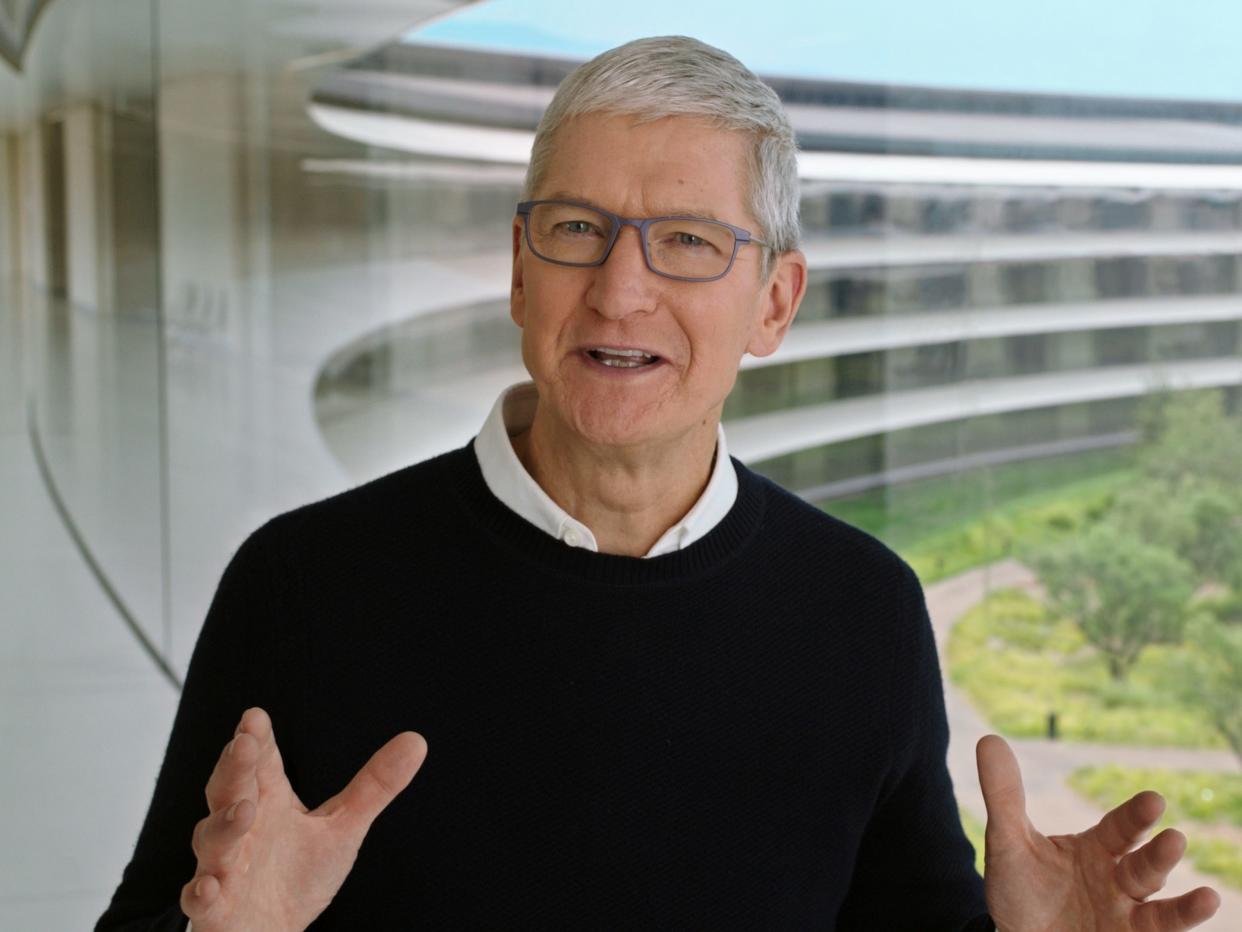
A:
(579, 235)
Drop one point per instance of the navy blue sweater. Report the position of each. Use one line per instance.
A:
(748, 733)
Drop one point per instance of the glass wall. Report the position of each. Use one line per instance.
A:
(263, 251)
(88, 172)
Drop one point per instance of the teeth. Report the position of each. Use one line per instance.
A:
(624, 359)
(622, 352)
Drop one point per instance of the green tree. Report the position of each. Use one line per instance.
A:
(1187, 436)
(1190, 495)
(1122, 591)
(1211, 673)
(1199, 520)
(1216, 551)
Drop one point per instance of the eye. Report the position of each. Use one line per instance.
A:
(689, 239)
(577, 228)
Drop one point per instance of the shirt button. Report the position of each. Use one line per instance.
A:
(573, 538)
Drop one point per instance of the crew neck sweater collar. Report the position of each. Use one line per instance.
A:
(524, 542)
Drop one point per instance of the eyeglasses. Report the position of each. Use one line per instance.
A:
(689, 249)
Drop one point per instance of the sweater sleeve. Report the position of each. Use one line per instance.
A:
(234, 645)
(915, 867)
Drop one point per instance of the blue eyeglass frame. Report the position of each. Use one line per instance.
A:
(740, 237)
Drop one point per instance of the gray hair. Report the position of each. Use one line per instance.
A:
(664, 76)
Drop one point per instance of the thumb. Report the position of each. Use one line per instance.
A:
(1003, 795)
(387, 773)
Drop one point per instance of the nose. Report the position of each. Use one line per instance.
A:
(623, 284)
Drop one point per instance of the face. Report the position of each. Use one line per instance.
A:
(700, 330)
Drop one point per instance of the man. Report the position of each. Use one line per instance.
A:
(662, 691)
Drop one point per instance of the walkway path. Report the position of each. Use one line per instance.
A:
(1053, 806)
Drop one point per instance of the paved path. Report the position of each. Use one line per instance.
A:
(1053, 806)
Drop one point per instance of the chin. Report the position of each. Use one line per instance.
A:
(620, 416)
(606, 422)
(612, 436)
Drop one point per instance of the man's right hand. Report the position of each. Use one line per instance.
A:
(264, 862)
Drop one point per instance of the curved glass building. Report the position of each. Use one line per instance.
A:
(254, 253)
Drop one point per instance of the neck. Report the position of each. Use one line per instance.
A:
(628, 500)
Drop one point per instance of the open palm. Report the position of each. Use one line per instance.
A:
(1088, 881)
(266, 863)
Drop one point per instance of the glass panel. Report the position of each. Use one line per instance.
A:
(94, 326)
(285, 244)
(268, 251)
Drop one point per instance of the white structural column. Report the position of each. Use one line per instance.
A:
(33, 220)
(9, 230)
(200, 228)
(87, 204)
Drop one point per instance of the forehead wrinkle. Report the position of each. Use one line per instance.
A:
(666, 211)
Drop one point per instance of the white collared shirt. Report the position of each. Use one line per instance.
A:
(509, 481)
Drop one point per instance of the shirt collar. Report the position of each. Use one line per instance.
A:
(509, 481)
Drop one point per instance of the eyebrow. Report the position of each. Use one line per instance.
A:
(659, 212)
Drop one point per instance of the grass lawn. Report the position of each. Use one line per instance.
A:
(953, 523)
(1017, 664)
(1190, 794)
(1195, 799)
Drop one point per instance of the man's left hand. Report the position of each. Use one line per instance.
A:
(1088, 881)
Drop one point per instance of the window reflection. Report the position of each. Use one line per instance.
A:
(235, 309)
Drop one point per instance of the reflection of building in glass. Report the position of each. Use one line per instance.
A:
(242, 268)
(946, 322)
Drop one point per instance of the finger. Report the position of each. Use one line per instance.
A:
(269, 767)
(1182, 912)
(234, 775)
(386, 774)
(198, 895)
(1122, 827)
(1000, 779)
(1143, 872)
(216, 840)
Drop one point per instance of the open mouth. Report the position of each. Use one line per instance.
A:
(623, 360)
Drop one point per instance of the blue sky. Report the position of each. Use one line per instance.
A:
(1133, 48)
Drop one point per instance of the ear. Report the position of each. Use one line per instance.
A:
(779, 299)
(517, 295)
